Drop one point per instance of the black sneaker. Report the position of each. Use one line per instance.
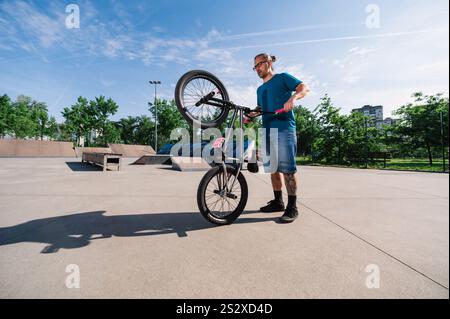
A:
(290, 214)
(274, 206)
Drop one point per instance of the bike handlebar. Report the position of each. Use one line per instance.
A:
(258, 110)
(210, 97)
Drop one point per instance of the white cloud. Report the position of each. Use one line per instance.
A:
(217, 36)
(338, 63)
(45, 29)
(388, 71)
(243, 95)
(360, 51)
(300, 71)
(346, 38)
(214, 35)
(158, 29)
(113, 46)
(198, 22)
(106, 83)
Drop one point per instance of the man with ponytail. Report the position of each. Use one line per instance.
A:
(280, 91)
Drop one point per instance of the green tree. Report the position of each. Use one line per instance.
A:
(419, 124)
(145, 131)
(39, 115)
(360, 137)
(128, 127)
(26, 118)
(51, 129)
(168, 119)
(307, 128)
(21, 122)
(63, 132)
(5, 111)
(111, 133)
(101, 110)
(79, 120)
(328, 142)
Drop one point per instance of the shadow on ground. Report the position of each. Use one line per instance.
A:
(83, 167)
(78, 230)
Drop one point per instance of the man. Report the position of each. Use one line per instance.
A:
(276, 93)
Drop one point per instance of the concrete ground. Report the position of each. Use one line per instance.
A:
(137, 233)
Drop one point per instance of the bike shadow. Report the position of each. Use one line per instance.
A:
(78, 230)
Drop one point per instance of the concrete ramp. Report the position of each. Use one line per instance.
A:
(153, 160)
(132, 150)
(35, 148)
(190, 164)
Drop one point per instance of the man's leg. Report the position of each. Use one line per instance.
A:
(291, 184)
(287, 153)
(277, 204)
(291, 212)
(277, 184)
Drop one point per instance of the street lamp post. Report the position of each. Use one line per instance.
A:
(442, 141)
(366, 144)
(156, 115)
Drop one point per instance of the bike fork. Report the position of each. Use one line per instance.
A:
(226, 180)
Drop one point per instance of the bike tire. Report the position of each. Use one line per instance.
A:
(202, 194)
(185, 100)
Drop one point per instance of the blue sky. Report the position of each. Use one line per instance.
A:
(121, 45)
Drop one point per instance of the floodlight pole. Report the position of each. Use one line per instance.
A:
(156, 115)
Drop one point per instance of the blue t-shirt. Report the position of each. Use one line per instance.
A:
(271, 97)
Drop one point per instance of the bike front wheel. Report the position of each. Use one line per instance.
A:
(217, 204)
(190, 89)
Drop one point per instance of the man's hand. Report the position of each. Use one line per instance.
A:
(289, 105)
(255, 113)
(300, 92)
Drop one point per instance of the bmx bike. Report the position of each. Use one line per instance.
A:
(202, 100)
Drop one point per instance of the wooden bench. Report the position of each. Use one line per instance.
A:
(106, 160)
(372, 157)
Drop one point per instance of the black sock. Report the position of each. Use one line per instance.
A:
(278, 196)
(292, 200)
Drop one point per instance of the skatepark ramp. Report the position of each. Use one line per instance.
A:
(132, 150)
(179, 163)
(35, 148)
(153, 160)
(189, 164)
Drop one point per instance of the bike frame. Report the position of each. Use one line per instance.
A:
(238, 112)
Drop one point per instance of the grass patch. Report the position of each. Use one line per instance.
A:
(393, 164)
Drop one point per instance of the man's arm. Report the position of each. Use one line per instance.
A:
(300, 92)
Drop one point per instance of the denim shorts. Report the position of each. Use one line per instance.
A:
(280, 152)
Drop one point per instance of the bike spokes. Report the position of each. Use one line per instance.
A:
(200, 98)
(218, 200)
(194, 91)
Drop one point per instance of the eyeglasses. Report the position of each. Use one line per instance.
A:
(257, 65)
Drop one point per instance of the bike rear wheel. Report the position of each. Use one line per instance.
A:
(190, 88)
(216, 205)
